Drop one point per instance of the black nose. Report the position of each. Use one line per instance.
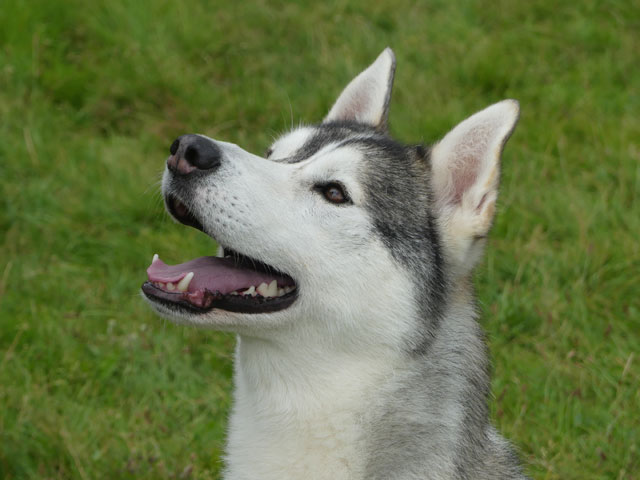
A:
(193, 152)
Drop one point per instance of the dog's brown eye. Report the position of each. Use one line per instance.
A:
(334, 193)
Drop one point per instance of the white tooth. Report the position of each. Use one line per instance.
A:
(184, 283)
(263, 289)
(280, 292)
(250, 291)
(171, 286)
(272, 291)
(233, 293)
(155, 257)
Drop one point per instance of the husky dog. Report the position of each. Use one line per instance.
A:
(345, 268)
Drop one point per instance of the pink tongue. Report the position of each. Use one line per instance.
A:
(213, 274)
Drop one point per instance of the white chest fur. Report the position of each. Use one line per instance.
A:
(297, 418)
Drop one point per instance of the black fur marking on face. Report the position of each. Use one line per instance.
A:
(328, 133)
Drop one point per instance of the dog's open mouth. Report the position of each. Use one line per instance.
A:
(233, 282)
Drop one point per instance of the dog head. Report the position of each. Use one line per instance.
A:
(339, 227)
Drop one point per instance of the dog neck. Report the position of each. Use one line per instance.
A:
(300, 411)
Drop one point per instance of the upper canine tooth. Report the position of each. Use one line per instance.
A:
(263, 289)
(155, 257)
(184, 283)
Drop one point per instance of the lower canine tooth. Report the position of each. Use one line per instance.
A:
(184, 283)
(250, 291)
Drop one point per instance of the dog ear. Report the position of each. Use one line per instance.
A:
(465, 175)
(366, 99)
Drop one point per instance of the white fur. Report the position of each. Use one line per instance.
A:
(301, 416)
(286, 145)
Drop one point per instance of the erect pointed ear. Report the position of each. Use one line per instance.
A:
(366, 99)
(465, 171)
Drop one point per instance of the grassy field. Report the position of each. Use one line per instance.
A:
(93, 386)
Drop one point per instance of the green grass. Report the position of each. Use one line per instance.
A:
(93, 386)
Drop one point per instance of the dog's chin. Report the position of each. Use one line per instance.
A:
(232, 283)
(218, 319)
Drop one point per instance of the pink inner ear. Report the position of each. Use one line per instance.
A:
(464, 174)
(468, 161)
(358, 104)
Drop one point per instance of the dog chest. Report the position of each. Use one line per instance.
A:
(319, 447)
(308, 422)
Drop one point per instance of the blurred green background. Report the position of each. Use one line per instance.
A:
(93, 386)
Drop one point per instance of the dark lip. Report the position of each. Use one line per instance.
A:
(241, 260)
(179, 210)
(229, 303)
